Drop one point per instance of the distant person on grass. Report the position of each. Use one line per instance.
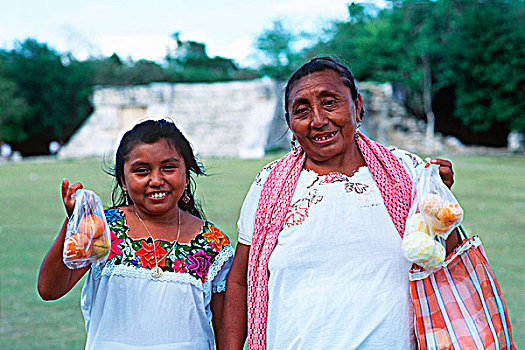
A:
(54, 147)
(162, 286)
(319, 263)
(5, 151)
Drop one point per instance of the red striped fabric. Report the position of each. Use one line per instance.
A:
(460, 306)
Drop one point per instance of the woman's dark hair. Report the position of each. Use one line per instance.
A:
(317, 65)
(151, 131)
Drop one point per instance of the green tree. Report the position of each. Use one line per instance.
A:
(347, 41)
(474, 48)
(13, 111)
(189, 62)
(106, 71)
(486, 51)
(276, 45)
(54, 86)
(145, 71)
(407, 42)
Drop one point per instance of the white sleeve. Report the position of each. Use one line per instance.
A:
(246, 223)
(411, 162)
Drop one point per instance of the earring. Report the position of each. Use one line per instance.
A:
(126, 198)
(186, 199)
(356, 135)
(295, 150)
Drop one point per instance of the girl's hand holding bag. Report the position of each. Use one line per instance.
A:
(457, 300)
(87, 236)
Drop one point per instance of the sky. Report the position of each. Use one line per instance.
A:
(142, 29)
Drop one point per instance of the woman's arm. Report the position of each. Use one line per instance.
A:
(55, 279)
(447, 176)
(217, 306)
(235, 305)
(452, 241)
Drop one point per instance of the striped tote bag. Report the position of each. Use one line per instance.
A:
(460, 306)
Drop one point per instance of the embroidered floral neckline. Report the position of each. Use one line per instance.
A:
(194, 257)
(334, 174)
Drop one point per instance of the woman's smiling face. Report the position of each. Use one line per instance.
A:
(155, 177)
(323, 116)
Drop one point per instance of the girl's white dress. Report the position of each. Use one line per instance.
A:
(337, 276)
(125, 307)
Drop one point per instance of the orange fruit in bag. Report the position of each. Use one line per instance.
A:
(92, 225)
(77, 247)
(450, 214)
(101, 247)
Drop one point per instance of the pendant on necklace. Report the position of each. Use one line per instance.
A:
(156, 272)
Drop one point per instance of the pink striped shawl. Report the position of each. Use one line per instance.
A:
(394, 184)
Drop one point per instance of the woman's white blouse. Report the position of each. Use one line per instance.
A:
(338, 279)
(124, 307)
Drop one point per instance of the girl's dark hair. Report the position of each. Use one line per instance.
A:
(151, 131)
(317, 65)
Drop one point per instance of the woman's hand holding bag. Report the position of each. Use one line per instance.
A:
(433, 215)
(457, 300)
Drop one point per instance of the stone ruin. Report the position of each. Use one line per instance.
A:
(388, 122)
(241, 119)
(228, 119)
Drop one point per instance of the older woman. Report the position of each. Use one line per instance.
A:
(319, 262)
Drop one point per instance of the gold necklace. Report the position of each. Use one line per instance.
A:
(157, 271)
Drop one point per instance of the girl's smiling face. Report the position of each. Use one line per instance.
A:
(155, 177)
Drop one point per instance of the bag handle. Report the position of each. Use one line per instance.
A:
(462, 233)
(418, 273)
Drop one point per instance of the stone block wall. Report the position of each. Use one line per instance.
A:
(229, 119)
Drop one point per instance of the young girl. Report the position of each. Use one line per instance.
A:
(165, 275)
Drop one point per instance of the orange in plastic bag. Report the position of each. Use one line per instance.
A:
(87, 236)
(92, 226)
(78, 246)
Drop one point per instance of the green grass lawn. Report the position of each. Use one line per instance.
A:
(491, 190)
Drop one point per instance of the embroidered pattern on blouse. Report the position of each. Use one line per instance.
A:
(221, 259)
(298, 211)
(196, 262)
(356, 187)
(333, 177)
(415, 161)
(264, 172)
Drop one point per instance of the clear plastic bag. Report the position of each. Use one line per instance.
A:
(87, 236)
(434, 213)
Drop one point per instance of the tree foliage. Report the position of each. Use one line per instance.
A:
(48, 97)
(189, 62)
(486, 56)
(474, 48)
(277, 47)
(13, 111)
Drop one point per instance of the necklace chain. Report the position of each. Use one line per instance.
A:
(157, 271)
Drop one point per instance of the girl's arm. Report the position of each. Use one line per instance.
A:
(235, 305)
(55, 279)
(217, 306)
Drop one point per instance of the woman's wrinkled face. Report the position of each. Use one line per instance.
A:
(155, 177)
(323, 116)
